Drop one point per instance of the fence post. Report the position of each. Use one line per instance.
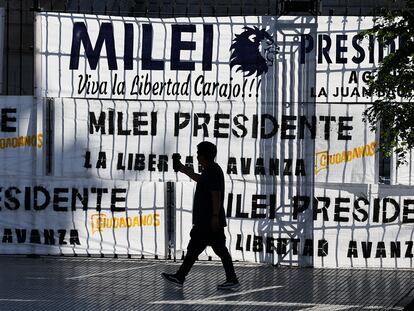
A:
(170, 249)
(49, 125)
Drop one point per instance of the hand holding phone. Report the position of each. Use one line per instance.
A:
(176, 162)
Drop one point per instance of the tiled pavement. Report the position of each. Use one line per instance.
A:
(56, 283)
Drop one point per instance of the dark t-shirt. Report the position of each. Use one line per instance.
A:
(212, 179)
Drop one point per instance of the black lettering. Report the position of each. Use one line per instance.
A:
(120, 119)
(259, 168)
(12, 202)
(139, 164)
(352, 250)
(36, 205)
(395, 249)
(151, 162)
(305, 48)
(99, 192)
(324, 50)
(409, 251)
(344, 128)
(99, 125)
(299, 208)
(203, 125)
(58, 199)
(407, 211)
(177, 45)
(303, 122)
(115, 199)
(137, 122)
(62, 234)
(239, 245)
(239, 213)
(5, 119)
(359, 209)
(21, 235)
(322, 248)
(146, 55)
(308, 248)
(287, 171)
(384, 212)
(274, 126)
(179, 126)
(80, 34)
(231, 166)
(256, 205)
(82, 198)
(101, 163)
(323, 209)
(74, 237)
(218, 125)
(287, 127)
(240, 125)
(7, 236)
(87, 163)
(380, 250)
(339, 209)
(257, 244)
(366, 249)
(340, 48)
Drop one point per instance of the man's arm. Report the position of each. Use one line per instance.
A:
(189, 172)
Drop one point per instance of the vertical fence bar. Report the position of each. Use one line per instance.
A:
(170, 250)
(21, 48)
(7, 49)
(49, 136)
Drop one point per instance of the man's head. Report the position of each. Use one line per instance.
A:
(206, 152)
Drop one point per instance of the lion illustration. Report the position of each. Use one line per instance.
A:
(245, 51)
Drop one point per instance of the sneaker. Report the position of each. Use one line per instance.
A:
(232, 284)
(172, 278)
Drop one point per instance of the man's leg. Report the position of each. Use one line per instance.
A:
(218, 244)
(196, 245)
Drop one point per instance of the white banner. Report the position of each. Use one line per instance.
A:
(363, 226)
(350, 225)
(281, 59)
(69, 216)
(136, 140)
(159, 59)
(19, 139)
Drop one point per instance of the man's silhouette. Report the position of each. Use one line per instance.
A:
(209, 218)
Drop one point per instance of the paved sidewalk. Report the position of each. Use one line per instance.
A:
(57, 283)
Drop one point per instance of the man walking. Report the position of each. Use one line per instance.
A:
(209, 218)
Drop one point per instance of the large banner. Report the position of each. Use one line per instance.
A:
(352, 225)
(158, 59)
(20, 141)
(69, 216)
(283, 59)
(132, 140)
(363, 226)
